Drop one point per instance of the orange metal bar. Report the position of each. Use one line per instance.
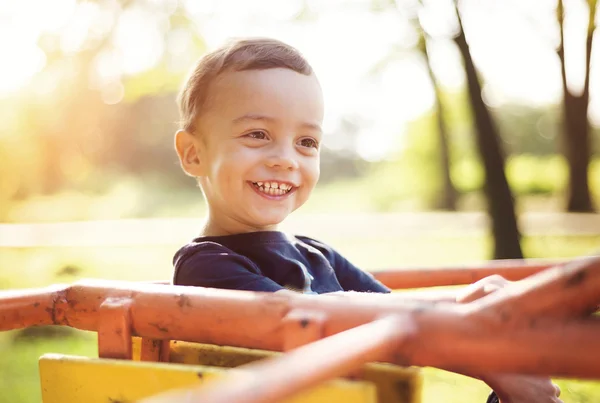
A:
(304, 367)
(114, 329)
(32, 307)
(523, 344)
(302, 327)
(566, 290)
(475, 337)
(476, 346)
(420, 277)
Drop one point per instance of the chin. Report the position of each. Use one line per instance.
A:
(270, 221)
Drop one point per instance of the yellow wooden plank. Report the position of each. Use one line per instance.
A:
(394, 384)
(69, 379)
(215, 356)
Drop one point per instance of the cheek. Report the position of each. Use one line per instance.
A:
(316, 169)
(312, 172)
(233, 165)
(223, 175)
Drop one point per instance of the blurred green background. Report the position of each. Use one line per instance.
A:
(420, 132)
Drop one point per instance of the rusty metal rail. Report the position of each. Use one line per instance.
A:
(537, 326)
(420, 277)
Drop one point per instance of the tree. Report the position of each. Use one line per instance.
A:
(499, 197)
(448, 199)
(576, 125)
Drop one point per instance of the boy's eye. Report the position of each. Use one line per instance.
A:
(309, 143)
(257, 134)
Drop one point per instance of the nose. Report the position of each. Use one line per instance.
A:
(283, 158)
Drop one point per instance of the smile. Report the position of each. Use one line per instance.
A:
(273, 188)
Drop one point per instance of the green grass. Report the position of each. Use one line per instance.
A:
(19, 377)
(33, 267)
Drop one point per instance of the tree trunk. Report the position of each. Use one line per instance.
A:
(499, 198)
(448, 199)
(576, 125)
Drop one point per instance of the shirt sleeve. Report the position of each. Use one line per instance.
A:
(350, 277)
(211, 265)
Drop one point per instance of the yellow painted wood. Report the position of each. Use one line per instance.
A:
(69, 379)
(394, 384)
(136, 348)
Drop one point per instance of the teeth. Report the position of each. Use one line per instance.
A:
(273, 188)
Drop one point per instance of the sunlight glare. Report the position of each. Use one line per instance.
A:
(19, 65)
(19, 33)
(48, 16)
(76, 31)
(107, 68)
(112, 93)
(140, 40)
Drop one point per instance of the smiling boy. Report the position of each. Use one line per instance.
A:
(251, 116)
(251, 136)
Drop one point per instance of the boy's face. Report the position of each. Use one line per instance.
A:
(258, 144)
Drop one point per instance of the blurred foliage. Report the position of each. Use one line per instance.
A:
(87, 140)
(411, 179)
(119, 161)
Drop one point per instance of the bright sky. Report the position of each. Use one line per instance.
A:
(512, 43)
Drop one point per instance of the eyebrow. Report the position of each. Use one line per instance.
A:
(265, 118)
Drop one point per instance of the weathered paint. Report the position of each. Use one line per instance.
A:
(69, 379)
(394, 384)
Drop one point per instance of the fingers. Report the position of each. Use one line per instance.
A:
(479, 292)
(481, 288)
(523, 389)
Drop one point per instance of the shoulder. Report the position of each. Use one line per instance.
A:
(209, 257)
(329, 252)
(210, 264)
(203, 248)
(351, 278)
(322, 247)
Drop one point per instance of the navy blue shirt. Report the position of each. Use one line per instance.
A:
(268, 261)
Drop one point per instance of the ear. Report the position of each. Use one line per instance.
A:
(187, 146)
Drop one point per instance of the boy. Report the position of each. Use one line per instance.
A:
(251, 134)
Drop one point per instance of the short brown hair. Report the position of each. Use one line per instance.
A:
(237, 55)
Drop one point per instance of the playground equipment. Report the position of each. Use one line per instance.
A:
(543, 325)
